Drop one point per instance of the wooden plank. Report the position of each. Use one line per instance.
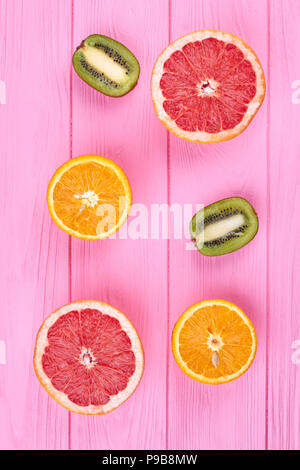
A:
(284, 257)
(34, 135)
(129, 274)
(230, 416)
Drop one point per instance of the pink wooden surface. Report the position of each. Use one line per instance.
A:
(34, 254)
(129, 274)
(48, 116)
(231, 416)
(284, 255)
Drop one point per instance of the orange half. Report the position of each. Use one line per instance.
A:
(214, 342)
(89, 197)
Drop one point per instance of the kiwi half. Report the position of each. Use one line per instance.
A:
(224, 226)
(106, 65)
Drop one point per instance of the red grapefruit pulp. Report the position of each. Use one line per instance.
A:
(88, 357)
(207, 86)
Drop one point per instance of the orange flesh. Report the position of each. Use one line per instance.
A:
(203, 334)
(80, 214)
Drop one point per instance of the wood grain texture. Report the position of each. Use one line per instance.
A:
(284, 265)
(129, 274)
(229, 416)
(48, 115)
(34, 136)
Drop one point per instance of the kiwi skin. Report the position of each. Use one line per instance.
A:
(101, 83)
(218, 210)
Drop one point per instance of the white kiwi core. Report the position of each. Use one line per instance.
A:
(104, 64)
(222, 227)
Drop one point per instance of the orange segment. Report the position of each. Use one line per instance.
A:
(89, 197)
(214, 341)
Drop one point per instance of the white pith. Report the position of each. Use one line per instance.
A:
(89, 198)
(87, 358)
(61, 397)
(219, 229)
(202, 136)
(208, 87)
(176, 344)
(214, 342)
(104, 64)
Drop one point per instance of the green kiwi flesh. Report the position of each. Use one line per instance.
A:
(106, 65)
(224, 227)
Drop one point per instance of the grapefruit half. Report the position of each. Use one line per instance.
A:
(88, 357)
(207, 86)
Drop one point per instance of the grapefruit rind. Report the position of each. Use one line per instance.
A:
(175, 341)
(202, 136)
(77, 161)
(62, 398)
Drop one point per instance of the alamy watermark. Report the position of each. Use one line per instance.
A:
(151, 222)
(296, 353)
(2, 92)
(296, 93)
(2, 352)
